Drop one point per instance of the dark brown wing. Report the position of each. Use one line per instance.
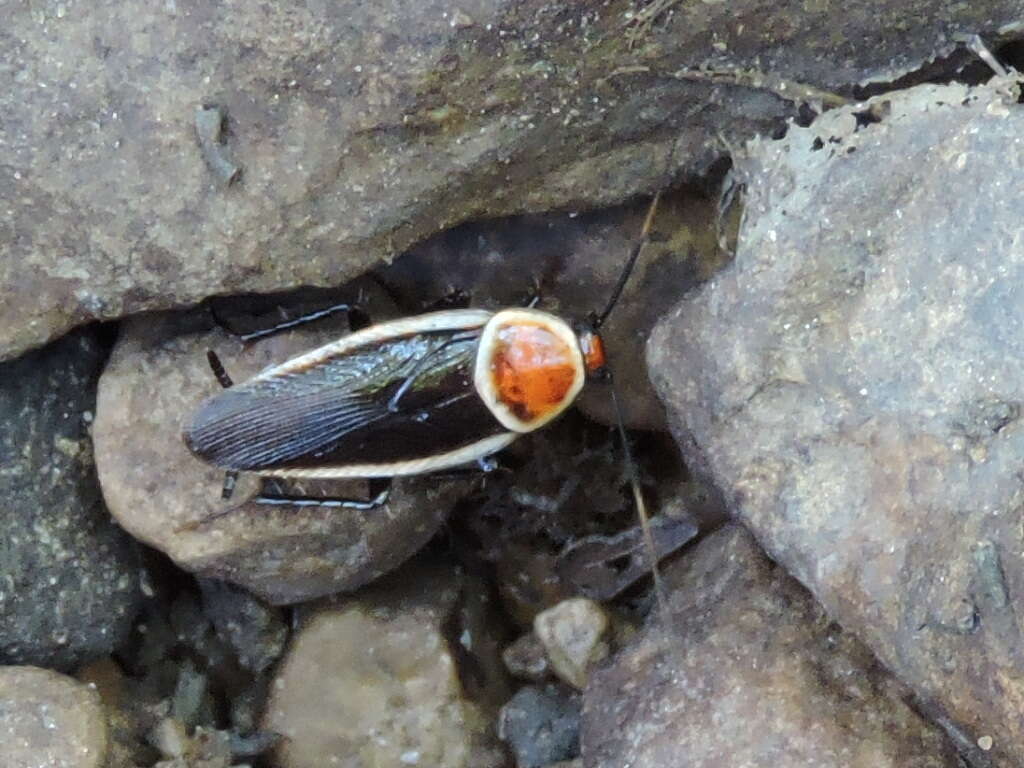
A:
(337, 411)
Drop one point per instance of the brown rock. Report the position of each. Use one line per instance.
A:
(358, 134)
(853, 383)
(524, 658)
(372, 680)
(49, 719)
(756, 675)
(159, 492)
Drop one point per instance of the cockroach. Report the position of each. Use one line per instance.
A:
(410, 396)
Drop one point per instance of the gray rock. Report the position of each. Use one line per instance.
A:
(255, 631)
(524, 658)
(752, 673)
(853, 384)
(162, 494)
(359, 133)
(69, 577)
(541, 725)
(49, 719)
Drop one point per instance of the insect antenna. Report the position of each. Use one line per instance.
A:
(645, 237)
(660, 594)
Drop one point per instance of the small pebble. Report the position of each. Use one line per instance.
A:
(525, 658)
(48, 719)
(574, 636)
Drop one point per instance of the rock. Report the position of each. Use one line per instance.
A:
(255, 631)
(203, 749)
(755, 675)
(541, 725)
(853, 384)
(525, 658)
(372, 680)
(170, 738)
(68, 576)
(574, 635)
(182, 686)
(602, 567)
(49, 719)
(357, 135)
(160, 493)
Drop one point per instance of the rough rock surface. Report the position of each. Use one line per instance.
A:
(47, 719)
(854, 381)
(359, 130)
(373, 680)
(69, 577)
(756, 675)
(160, 493)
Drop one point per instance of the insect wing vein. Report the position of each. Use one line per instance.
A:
(305, 416)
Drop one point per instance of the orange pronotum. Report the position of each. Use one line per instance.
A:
(533, 370)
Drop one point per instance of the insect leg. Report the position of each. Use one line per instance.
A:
(534, 296)
(487, 463)
(288, 500)
(230, 477)
(297, 321)
(230, 480)
(645, 235)
(282, 500)
(218, 369)
(456, 298)
(357, 319)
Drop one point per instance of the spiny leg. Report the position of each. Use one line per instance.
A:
(218, 370)
(281, 499)
(287, 500)
(295, 322)
(230, 477)
(485, 465)
(357, 318)
(230, 480)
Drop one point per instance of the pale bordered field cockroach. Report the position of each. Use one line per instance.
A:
(416, 395)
